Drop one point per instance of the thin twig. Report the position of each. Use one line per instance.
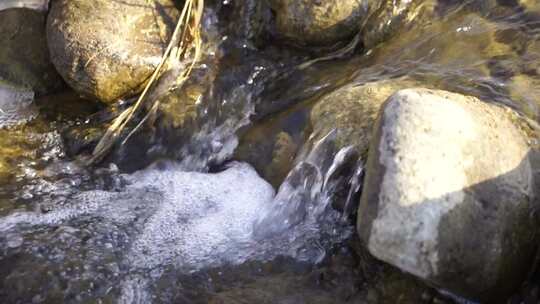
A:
(185, 40)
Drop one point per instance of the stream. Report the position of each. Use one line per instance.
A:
(192, 222)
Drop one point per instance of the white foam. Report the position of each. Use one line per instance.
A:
(169, 218)
(202, 220)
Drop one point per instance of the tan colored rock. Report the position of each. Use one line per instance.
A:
(395, 16)
(271, 151)
(282, 158)
(352, 111)
(449, 193)
(107, 50)
(321, 23)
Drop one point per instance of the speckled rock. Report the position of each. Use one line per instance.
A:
(24, 57)
(106, 50)
(449, 193)
(321, 23)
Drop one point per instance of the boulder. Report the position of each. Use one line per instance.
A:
(320, 23)
(461, 40)
(449, 193)
(352, 111)
(106, 50)
(24, 57)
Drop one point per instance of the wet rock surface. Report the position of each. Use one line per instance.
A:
(435, 189)
(309, 22)
(394, 16)
(24, 57)
(97, 63)
(352, 111)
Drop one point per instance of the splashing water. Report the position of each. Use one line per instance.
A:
(16, 106)
(40, 5)
(166, 217)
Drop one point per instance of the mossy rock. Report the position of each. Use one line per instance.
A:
(107, 50)
(352, 111)
(320, 23)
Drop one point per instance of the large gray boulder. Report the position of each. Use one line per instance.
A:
(449, 193)
(106, 50)
(321, 23)
(24, 57)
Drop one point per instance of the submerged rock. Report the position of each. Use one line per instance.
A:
(106, 50)
(449, 195)
(524, 90)
(321, 23)
(530, 5)
(394, 16)
(24, 57)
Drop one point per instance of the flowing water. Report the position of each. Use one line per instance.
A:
(198, 226)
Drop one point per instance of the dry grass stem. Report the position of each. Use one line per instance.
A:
(184, 46)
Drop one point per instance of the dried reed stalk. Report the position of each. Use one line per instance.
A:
(184, 46)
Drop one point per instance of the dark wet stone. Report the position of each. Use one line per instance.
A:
(24, 57)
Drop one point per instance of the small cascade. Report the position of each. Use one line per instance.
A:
(169, 218)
